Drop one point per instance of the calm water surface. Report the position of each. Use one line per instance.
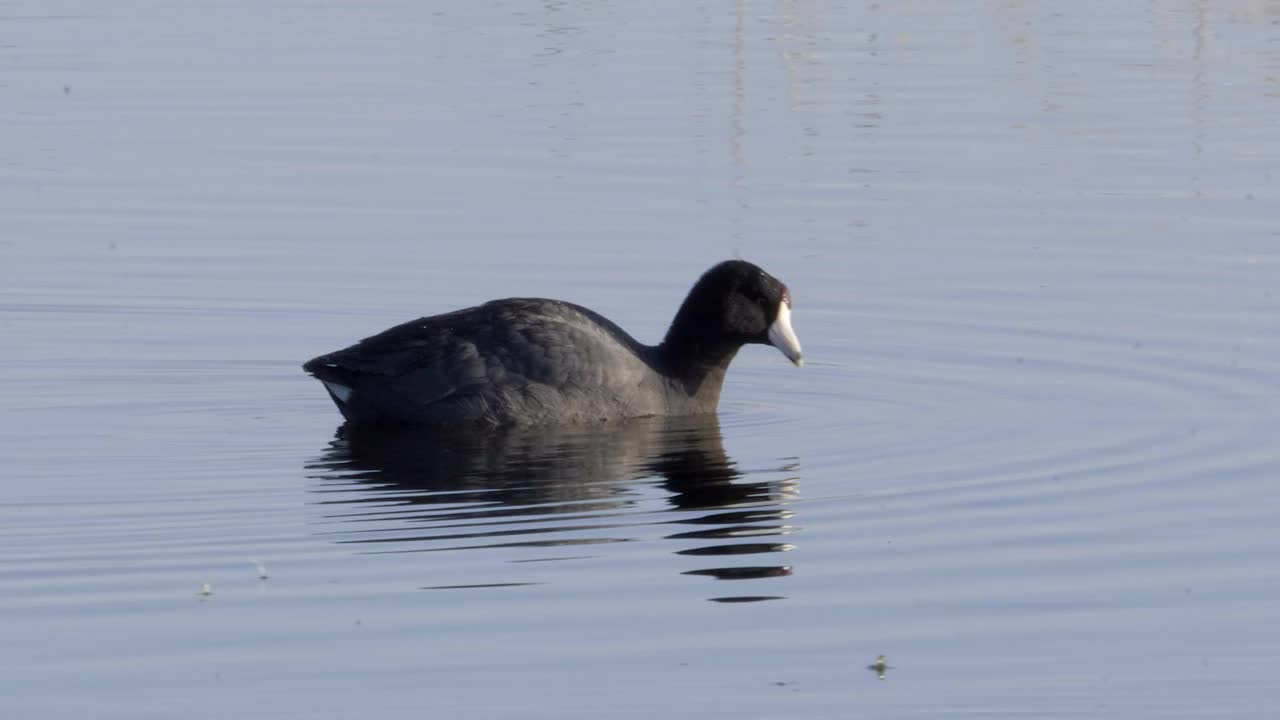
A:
(1031, 460)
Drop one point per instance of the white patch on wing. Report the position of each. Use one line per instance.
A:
(342, 392)
(783, 337)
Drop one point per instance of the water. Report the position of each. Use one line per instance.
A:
(1031, 458)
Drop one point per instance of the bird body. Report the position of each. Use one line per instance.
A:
(539, 361)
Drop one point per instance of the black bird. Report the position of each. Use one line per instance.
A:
(528, 361)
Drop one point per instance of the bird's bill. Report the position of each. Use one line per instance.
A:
(783, 337)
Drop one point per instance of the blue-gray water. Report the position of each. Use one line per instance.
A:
(1032, 460)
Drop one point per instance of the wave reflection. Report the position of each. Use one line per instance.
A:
(530, 493)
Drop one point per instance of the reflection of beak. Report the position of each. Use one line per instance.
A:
(783, 337)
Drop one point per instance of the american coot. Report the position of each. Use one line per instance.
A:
(531, 361)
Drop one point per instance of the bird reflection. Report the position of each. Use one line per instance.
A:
(416, 490)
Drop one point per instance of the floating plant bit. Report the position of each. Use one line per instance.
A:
(880, 666)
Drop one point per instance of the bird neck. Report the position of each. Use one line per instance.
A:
(696, 365)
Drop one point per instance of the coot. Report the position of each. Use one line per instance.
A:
(528, 361)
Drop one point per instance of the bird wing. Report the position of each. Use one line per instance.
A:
(509, 344)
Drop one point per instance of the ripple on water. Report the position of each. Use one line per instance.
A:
(1003, 469)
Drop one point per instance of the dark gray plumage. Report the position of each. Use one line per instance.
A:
(535, 361)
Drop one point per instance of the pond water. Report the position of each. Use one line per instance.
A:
(1031, 460)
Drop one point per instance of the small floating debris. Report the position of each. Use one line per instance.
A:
(880, 666)
(262, 569)
(205, 590)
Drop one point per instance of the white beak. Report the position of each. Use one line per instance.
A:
(783, 337)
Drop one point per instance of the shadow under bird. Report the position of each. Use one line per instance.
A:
(531, 361)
